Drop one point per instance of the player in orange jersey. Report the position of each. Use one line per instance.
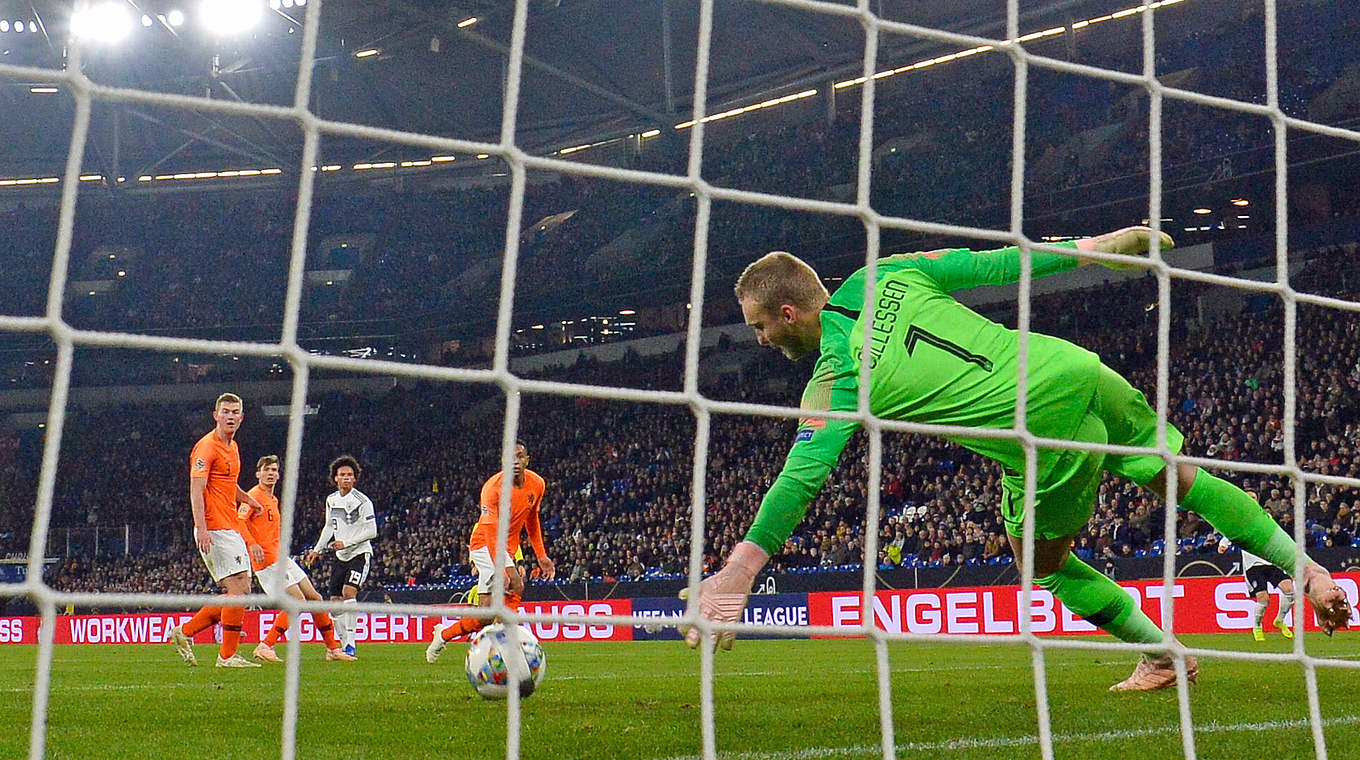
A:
(219, 507)
(526, 497)
(279, 576)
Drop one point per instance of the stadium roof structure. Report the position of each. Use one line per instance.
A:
(592, 70)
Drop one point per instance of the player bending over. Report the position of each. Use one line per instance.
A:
(526, 497)
(1261, 575)
(934, 360)
(278, 579)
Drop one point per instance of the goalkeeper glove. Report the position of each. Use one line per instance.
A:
(723, 596)
(1330, 605)
(1130, 241)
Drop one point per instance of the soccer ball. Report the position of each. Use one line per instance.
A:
(493, 662)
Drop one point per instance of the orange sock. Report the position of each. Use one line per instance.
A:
(463, 627)
(467, 625)
(202, 620)
(232, 617)
(280, 628)
(327, 629)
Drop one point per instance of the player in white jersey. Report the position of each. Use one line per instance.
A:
(1261, 575)
(349, 530)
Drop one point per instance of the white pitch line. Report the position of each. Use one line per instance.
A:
(56, 686)
(1007, 742)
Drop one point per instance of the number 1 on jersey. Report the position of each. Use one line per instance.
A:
(916, 334)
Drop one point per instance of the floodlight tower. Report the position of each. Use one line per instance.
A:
(108, 22)
(225, 19)
(228, 18)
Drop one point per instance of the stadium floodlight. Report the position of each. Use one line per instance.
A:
(107, 23)
(175, 18)
(4, 25)
(367, 53)
(146, 21)
(33, 27)
(465, 23)
(1241, 202)
(1202, 210)
(18, 27)
(228, 17)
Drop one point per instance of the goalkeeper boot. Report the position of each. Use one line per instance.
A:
(235, 661)
(1258, 633)
(1157, 673)
(265, 653)
(184, 645)
(437, 644)
(1285, 630)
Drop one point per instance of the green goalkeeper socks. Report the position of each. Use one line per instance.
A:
(1100, 601)
(1236, 515)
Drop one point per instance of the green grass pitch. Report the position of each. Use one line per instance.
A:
(774, 700)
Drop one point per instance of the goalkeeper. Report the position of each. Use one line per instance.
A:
(934, 360)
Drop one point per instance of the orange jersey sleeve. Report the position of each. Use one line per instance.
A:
(265, 526)
(489, 502)
(220, 464)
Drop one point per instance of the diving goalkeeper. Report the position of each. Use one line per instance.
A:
(934, 360)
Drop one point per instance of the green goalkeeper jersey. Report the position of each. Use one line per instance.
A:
(933, 360)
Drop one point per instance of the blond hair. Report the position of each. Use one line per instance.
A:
(226, 398)
(779, 278)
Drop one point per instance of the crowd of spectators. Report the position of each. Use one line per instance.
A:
(215, 265)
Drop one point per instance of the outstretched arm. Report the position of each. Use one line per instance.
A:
(960, 268)
(806, 468)
(722, 597)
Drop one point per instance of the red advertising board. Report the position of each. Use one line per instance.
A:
(153, 628)
(1202, 605)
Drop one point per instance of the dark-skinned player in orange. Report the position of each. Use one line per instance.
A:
(526, 496)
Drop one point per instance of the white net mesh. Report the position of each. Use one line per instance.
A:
(87, 92)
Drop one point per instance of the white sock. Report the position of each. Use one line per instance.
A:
(341, 629)
(1286, 604)
(351, 620)
(1258, 612)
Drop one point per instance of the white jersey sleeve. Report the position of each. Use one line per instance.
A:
(1250, 560)
(327, 533)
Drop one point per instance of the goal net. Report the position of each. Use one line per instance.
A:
(888, 46)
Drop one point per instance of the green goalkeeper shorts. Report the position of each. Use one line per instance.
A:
(1118, 414)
